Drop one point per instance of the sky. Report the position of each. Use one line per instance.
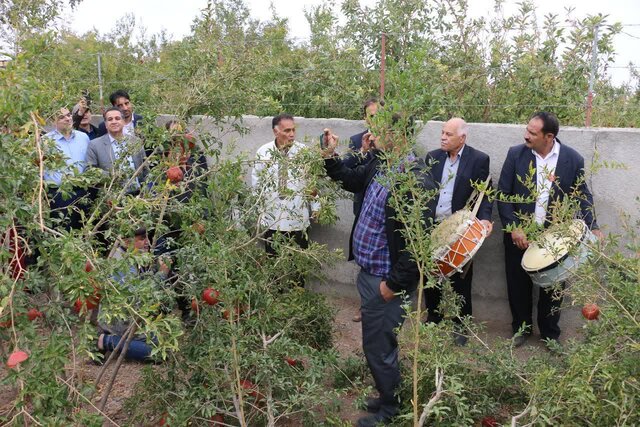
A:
(176, 17)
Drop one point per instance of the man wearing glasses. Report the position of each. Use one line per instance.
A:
(73, 147)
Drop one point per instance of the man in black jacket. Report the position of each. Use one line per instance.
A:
(456, 165)
(559, 173)
(387, 269)
(121, 100)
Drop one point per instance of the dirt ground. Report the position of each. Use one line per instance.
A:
(347, 342)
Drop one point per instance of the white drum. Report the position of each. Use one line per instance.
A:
(558, 253)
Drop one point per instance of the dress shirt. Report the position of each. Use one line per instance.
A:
(281, 183)
(119, 149)
(370, 246)
(75, 152)
(545, 170)
(129, 128)
(447, 182)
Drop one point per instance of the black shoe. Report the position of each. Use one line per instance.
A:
(373, 404)
(459, 339)
(373, 420)
(519, 340)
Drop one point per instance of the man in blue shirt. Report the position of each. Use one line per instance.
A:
(73, 145)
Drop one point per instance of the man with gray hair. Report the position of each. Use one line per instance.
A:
(455, 166)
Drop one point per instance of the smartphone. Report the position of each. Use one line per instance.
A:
(324, 139)
(87, 97)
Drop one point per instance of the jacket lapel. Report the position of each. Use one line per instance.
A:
(438, 167)
(464, 159)
(560, 173)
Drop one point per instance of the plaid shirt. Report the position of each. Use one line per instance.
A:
(370, 248)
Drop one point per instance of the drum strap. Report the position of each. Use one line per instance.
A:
(479, 196)
(476, 207)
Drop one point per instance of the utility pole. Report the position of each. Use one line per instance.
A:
(592, 76)
(100, 83)
(383, 64)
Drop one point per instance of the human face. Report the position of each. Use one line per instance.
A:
(114, 123)
(125, 106)
(141, 243)
(86, 119)
(370, 112)
(285, 133)
(63, 121)
(450, 139)
(536, 139)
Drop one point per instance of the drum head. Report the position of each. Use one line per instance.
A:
(553, 245)
(447, 232)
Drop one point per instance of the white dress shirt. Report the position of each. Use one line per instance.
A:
(545, 175)
(280, 184)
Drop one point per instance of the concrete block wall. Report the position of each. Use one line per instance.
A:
(616, 191)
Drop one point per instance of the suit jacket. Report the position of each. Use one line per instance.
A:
(404, 273)
(102, 129)
(353, 159)
(100, 154)
(569, 175)
(474, 166)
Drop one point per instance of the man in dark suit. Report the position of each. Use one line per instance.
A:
(559, 173)
(456, 166)
(121, 100)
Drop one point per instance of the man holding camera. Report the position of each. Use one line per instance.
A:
(377, 244)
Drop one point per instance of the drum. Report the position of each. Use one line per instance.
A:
(558, 253)
(457, 239)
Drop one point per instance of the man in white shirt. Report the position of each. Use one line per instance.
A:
(559, 173)
(73, 146)
(279, 180)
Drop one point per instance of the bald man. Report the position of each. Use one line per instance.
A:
(456, 166)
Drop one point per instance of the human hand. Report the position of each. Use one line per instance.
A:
(82, 106)
(385, 291)
(330, 142)
(488, 225)
(599, 234)
(519, 239)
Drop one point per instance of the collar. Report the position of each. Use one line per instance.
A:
(555, 150)
(458, 156)
(56, 134)
(115, 141)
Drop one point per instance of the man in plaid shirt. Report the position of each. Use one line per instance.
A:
(386, 268)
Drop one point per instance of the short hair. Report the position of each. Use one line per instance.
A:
(140, 232)
(550, 122)
(408, 123)
(463, 129)
(112, 109)
(369, 102)
(121, 93)
(280, 117)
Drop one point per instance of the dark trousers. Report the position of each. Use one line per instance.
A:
(462, 286)
(298, 236)
(520, 291)
(68, 210)
(379, 340)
